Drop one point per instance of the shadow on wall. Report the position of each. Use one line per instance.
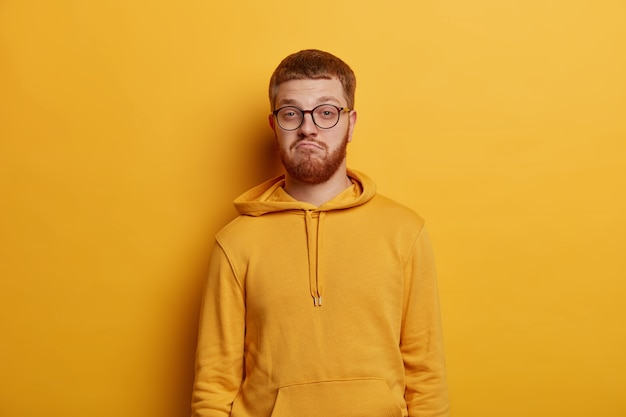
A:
(250, 158)
(256, 156)
(269, 164)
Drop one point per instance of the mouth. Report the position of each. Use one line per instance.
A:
(308, 144)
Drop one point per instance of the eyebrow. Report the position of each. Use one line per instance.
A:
(321, 100)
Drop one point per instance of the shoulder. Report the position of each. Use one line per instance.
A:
(389, 220)
(395, 212)
(244, 231)
(234, 229)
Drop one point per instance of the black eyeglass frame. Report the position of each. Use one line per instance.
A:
(339, 110)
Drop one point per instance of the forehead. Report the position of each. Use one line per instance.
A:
(310, 92)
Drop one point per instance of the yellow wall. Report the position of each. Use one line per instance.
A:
(127, 127)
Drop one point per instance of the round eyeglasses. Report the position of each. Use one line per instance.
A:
(325, 116)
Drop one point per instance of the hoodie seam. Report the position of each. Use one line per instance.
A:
(412, 247)
(405, 266)
(331, 380)
(230, 264)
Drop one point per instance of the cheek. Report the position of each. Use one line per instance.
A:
(283, 140)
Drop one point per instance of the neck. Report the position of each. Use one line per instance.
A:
(318, 194)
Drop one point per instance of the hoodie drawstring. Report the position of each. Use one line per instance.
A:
(314, 242)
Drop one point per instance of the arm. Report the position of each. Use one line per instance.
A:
(219, 355)
(421, 342)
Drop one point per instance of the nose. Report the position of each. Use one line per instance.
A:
(307, 127)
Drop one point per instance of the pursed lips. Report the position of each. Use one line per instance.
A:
(309, 144)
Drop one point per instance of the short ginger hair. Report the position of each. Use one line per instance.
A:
(313, 64)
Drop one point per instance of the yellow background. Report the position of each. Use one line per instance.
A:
(128, 127)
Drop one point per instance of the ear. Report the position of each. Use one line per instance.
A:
(272, 122)
(352, 122)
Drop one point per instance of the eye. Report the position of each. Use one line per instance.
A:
(326, 112)
(289, 113)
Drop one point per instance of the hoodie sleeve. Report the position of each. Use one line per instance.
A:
(219, 355)
(421, 342)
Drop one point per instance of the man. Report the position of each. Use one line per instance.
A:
(321, 298)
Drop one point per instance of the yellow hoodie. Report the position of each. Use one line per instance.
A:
(327, 311)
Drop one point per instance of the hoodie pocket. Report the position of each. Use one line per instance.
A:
(345, 398)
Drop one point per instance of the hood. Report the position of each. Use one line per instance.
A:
(270, 197)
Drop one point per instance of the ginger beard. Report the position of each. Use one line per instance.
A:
(307, 167)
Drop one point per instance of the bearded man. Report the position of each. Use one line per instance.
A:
(321, 298)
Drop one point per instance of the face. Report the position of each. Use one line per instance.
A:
(311, 154)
